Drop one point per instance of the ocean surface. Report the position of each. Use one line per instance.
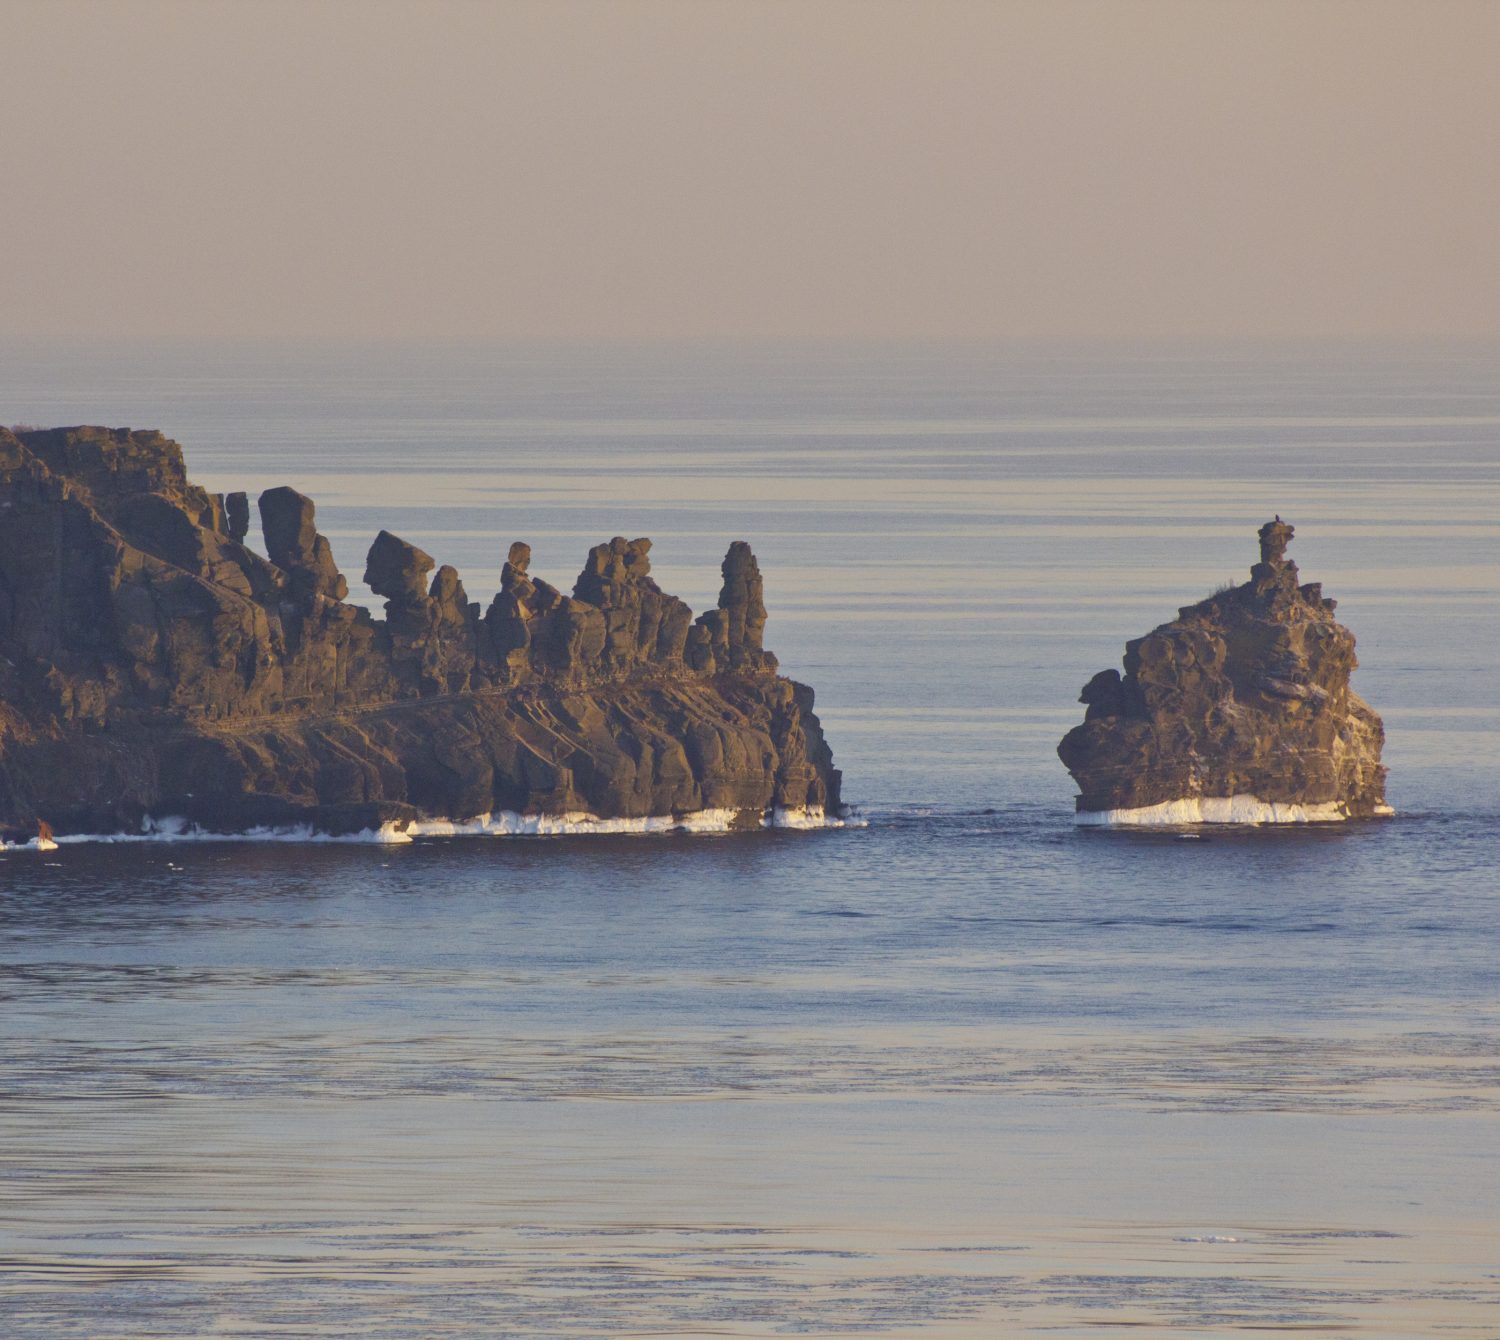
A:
(966, 1071)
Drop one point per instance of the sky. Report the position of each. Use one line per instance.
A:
(645, 170)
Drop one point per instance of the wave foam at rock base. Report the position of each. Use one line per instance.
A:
(501, 823)
(507, 823)
(1218, 810)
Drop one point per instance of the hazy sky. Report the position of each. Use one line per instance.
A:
(807, 168)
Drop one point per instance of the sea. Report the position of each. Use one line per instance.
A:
(966, 1070)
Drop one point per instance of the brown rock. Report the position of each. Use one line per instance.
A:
(397, 570)
(237, 515)
(730, 638)
(1245, 694)
(152, 665)
(294, 545)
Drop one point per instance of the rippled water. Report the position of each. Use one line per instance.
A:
(964, 1072)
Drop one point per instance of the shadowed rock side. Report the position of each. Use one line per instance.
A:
(152, 665)
(1239, 709)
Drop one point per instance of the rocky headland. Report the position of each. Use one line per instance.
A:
(158, 673)
(1239, 710)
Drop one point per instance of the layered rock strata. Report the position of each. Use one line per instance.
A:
(153, 666)
(1239, 710)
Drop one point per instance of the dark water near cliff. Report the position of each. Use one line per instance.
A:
(964, 1072)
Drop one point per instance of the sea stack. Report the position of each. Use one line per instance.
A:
(1238, 711)
(156, 673)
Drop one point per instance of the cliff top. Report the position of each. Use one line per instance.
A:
(122, 578)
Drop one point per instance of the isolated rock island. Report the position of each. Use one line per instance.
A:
(157, 672)
(1238, 711)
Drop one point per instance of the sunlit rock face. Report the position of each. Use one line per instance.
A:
(152, 665)
(1239, 710)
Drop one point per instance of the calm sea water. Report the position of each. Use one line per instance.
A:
(964, 1072)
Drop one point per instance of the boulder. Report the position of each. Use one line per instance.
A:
(397, 570)
(294, 545)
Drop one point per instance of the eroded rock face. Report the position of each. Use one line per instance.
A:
(1245, 694)
(152, 664)
(294, 545)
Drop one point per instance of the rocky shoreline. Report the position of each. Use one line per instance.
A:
(155, 670)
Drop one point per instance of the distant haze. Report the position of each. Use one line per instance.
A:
(814, 168)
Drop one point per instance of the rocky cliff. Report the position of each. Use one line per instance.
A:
(152, 665)
(1238, 710)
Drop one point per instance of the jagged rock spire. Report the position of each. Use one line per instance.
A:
(731, 637)
(612, 566)
(1274, 538)
(237, 515)
(742, 598)
(517, 562)
(397, 570)
(294, 545)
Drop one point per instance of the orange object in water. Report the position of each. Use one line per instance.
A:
(43, 830)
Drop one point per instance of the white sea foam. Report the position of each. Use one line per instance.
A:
(814, 816)
(500, 823)
(174, 829)
(1219, 810)
(508, 823)
(36, 844)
